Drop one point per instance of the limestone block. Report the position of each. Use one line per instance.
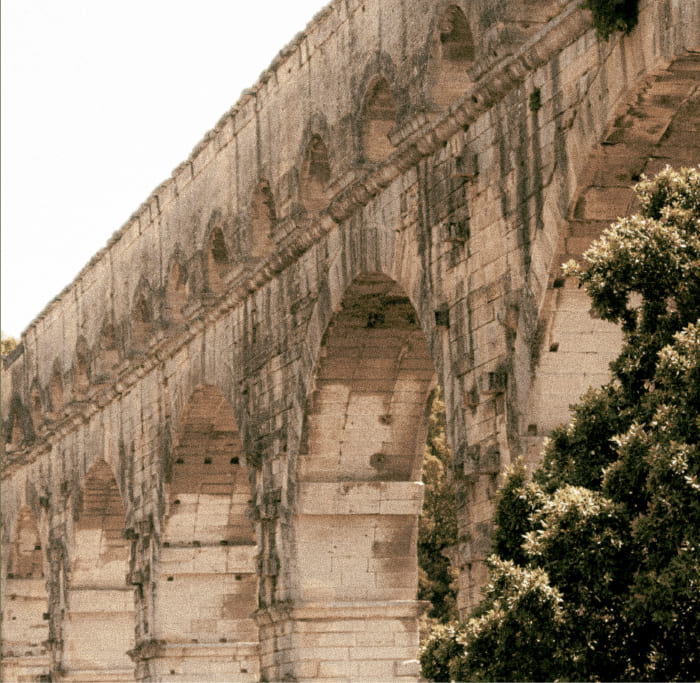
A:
(26, 589)
(95, 642)
(603, 203)
(24, 628)
(338, 669)
(351, 572)
(25, 668)
(410, 668)
(350, 498)
(375, 638)
(103, 601)
(110, 674)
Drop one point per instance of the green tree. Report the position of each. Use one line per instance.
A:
(597, 572)
(7, 343)
(437, 529)
(610, 16)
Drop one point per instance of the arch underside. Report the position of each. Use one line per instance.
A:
(660, 126)
(359, 487)
(206, 580)
(25, 602)
(452, 54)
(99, 627)
(378, 120)
(315, 175)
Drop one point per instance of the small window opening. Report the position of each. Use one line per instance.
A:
(452, 55)
(218, 247)
(262, 220)
(378, 119)
(316, 175)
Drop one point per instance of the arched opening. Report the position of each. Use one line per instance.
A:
(99, 624)
(56, 389)
(217, 261)
(378, 118)
(176, 293)
(25, 602)
(316, 173)
(108, 355)
(570, 336)
(81, 382)
(17, 430)
(262, 220)
(359, 478)
(141, 323)
(35, 407)
(13, 432)
(209, 551)
(452, 53)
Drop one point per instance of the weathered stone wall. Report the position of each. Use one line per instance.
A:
(227, 406)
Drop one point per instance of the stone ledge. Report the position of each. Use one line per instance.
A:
(96, 675)
(107, 600)
(217, 650)
(357, 610)
(25, 589)
(360, 498)
(231, 559)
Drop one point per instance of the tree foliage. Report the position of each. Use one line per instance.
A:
(437, 529)
(610, 16)
(7, 344)
(597, 568)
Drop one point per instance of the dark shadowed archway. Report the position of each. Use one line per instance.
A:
(452, 53)
(24, 626)
(206, 585)
(359, 486)
(99, 629)
(377, 120)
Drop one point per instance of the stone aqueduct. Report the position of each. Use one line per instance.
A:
(213, 436)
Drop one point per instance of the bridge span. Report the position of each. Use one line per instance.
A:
(213, 437)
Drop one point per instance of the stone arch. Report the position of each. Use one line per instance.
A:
(377, 120)
(25, 627)
(99, 623)
(18, 429)
(315, 175)
(176, 294)
(452, 53)
(262, 220)
(36, 409)
(142, 317)
(107, 351)
(217, 255)
(653, 127)
(56, 389)
(81, 370)
(25, 559)
(209, 548)
(358, 475)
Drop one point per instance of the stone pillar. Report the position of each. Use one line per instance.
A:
(98, 630)
(355, 614)
(203, 591)
(25, 630)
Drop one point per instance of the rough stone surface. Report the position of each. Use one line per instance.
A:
(212, 438)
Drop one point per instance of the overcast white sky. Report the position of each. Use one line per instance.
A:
(100, 102)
